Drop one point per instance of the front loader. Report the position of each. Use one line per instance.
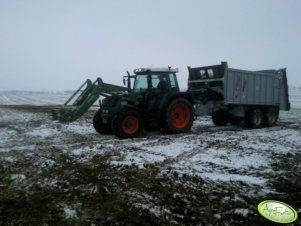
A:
(154, 103)
(84, 98)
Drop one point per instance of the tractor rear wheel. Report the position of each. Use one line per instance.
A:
(98, 124)
(179, 116)
(127, 124)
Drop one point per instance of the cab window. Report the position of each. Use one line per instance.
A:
(173, 82)
(140, 84)
(155, 81)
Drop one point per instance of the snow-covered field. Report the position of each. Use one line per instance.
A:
(58, 98)
(33, 98)
(210, 176)
(295, 99)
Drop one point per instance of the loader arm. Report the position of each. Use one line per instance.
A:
(84, 98)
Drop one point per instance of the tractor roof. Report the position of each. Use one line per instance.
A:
(168, 69)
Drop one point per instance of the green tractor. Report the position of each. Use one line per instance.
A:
(155, 102)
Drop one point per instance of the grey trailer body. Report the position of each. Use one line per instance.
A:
(233, 95)
(255, 88)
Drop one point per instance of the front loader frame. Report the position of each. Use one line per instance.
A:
(84, 97)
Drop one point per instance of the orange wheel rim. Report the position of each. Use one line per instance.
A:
(180, 115)
(130, 124)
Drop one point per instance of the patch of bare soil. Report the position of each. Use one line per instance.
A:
(98, 194)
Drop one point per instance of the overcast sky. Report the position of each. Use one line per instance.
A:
(57, 44)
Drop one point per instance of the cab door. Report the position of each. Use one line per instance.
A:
(161, 86)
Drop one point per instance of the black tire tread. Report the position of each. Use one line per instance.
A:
(220, 118)
(235, 120)
(98, 124)
(249, 118)
(268, 111)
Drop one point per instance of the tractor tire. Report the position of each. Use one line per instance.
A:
(270, 116)
(178, 116)
(98, 124)
(234, 120)
(127, 124)
(254, 119)
(220, 118)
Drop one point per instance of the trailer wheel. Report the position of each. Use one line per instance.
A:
(270, 116)
(178, 116)
(220, 118)
(254, 119)
(98, 124)
(234, 120)
(127, 124)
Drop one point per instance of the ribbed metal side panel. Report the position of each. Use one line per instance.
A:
(251, 88)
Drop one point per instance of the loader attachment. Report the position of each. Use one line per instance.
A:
(84, 98)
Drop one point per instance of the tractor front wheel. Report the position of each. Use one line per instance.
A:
(98, 124)
(179, 116)
(127, 124)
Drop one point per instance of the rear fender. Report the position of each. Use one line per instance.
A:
(169, 99)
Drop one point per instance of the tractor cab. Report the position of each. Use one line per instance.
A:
(152, 86)
(155, 80)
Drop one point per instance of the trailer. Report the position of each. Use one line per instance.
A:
(233, 95)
